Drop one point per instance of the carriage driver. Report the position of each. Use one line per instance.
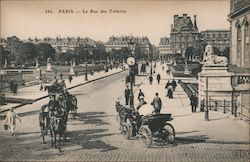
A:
(53, 105)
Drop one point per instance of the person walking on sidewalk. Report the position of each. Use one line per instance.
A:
(174, 84)
(158, 77)
(193, 102)
(150, 78)
(11, 120)
(126, 94)
(70, 78)
(140, 94)
(61, 75)
(157, 104)
(15, 87)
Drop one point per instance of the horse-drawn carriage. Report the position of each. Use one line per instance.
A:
(149, 128)
(54, 115)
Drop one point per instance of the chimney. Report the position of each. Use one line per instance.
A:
(195, 26)
(175, 19)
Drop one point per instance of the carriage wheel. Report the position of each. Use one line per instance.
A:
(126, 130)
(170, 133)
(145, 136)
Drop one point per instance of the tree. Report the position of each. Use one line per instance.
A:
(189, 53)
(226, 52)
(216, 51)
(2, 55)
(44, 51)
(26, 54)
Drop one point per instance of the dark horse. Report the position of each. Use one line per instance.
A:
(69, 103)
(58, 126)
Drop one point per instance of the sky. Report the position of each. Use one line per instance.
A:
(151, 18)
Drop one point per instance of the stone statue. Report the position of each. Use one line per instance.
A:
(49, 66)
(210, 58)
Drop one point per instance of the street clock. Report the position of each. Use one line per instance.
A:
(131, 61)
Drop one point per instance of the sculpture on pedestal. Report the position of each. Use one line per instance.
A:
(49, 66)
(210, 58)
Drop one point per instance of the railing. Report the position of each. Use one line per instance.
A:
(228, 106)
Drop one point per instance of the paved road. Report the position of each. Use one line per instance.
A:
(94, 135)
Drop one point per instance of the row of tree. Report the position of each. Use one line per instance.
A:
(25, 53)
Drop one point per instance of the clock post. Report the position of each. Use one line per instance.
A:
(131, 64)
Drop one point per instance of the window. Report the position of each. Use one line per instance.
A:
(239, 45)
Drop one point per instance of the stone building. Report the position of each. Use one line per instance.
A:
(164, 48)
(184, 33)
(239, 18)
(62, 45)
(217, 38)
(141, 43)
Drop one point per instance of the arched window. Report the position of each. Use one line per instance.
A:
(239, 36)
(246, 29)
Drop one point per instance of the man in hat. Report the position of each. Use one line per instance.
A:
(193, 102)
(126, 94)
(11, 120)
(140, 94)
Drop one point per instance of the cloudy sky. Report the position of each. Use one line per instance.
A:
(151, 18)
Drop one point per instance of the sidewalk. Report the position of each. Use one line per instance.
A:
(34, 93)
(192, 126)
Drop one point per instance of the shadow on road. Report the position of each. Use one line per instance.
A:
(93, 118)
(90, 139)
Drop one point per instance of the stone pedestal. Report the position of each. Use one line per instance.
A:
(72, 71)
(49, 67)
(219, 83)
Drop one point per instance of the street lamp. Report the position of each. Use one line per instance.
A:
(131, 63)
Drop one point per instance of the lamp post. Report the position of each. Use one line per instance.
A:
(131, 63)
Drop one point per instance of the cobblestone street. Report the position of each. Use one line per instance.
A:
(94, 135)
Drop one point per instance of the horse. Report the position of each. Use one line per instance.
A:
(120, 109)
(58, 126)
(69, 103)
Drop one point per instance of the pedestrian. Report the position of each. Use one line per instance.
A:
(126, 94)
(157, 104)
(127, 80)
(140, 94)
(15, 87)
(193, 102)
(11, 86)
(170, 93)
(158, 77)
(174, 84)
(162, 67)
(61, 75)
(150, 78)
(11, 120)
(70, 78)
(77, 72)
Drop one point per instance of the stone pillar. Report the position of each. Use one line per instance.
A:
(219, 83)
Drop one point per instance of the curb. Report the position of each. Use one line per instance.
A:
(196, 140)
(43, 97)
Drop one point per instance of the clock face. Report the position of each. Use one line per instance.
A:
(131, 61)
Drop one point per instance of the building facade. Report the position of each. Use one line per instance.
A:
(140, 43)
(184, 33)
(239, 18)
(217, 38)
(62, 45)
(164, 48)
